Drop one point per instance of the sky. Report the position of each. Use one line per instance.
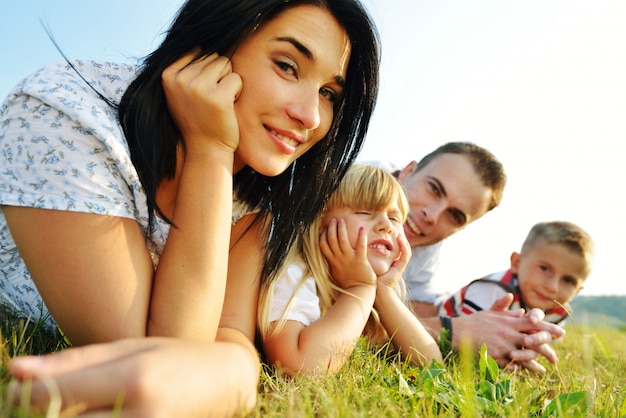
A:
(541, 84)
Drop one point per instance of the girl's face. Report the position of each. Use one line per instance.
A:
(382, 227)
(293, 69)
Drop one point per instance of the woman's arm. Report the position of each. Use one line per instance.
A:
(244, 270)
(149, 376)
(190, 282)
(93, 271)
(165, 376)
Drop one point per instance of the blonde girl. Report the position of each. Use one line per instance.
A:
(346, 269)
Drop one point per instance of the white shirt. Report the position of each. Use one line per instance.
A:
(62, 148)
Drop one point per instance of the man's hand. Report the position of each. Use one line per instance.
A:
(515, 339)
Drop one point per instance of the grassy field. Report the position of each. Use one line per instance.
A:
(589, 381)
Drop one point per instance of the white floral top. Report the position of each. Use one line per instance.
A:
(62, 148)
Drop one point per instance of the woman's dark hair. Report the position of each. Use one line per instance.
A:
(295, 197)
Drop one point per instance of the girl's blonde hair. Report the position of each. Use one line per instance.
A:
(363, 187)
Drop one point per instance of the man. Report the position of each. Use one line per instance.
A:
(449, 188)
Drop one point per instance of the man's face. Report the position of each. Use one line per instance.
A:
(444, 196)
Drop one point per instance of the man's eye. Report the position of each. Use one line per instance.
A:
(434, 188)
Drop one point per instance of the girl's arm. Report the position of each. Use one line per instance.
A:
(326, 344)
(407, 333)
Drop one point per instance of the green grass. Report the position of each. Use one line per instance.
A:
(589, 381)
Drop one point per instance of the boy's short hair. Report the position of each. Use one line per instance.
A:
(563, 233)
(488, 168)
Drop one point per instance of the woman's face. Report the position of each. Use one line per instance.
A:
(293, 69)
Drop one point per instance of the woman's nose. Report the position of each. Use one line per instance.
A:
(305, 109)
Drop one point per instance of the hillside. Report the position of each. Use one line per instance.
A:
(600, 311)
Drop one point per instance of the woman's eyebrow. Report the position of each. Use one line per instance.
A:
(307, 54)
(298, 45)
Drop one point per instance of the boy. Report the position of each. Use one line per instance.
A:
(550, 270)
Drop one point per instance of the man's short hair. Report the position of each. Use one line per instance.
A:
(488, 168)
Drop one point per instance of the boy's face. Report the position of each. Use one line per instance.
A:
(548, 273)
(444, 196)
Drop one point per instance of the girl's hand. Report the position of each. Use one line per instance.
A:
(394, 274)
(200, 96)
(349, 267)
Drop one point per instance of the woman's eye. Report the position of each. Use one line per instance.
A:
(286, 67)
(328, 94)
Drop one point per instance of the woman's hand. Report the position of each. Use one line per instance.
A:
(200, 95)
(142, 377)
(349, 266)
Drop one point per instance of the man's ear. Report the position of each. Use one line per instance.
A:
(409, 169)
(515, 260)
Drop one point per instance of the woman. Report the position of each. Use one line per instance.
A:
(270, 99)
